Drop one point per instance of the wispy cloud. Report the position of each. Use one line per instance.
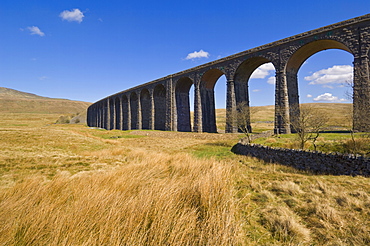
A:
(73, 15)
(328, 97)
(263, 71)
(338, 74)
(197, 54)
(35, 31)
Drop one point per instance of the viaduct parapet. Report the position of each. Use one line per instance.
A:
(164, 104)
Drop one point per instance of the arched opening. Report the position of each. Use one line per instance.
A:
(118, 113)
(112, 114)
(134, 110)
(89, 116)
(260, 92)
(208, 82)
(324, 65)
(159, 95)
(146, 107)
(182, 90)
(101, 115)
(125, 114)
(104, 114)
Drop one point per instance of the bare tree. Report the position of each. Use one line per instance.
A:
(309, 124)
(243, 115)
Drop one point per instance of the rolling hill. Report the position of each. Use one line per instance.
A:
(13, 101)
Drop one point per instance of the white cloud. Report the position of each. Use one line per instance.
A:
(263, 71)
(73, 15)
(271, 80)
(43, 77)
(197, 54)
(256, 90)
(338, 74)
(35, 31)
(328, 97)
(309, 95)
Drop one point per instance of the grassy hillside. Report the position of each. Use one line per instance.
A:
(72, 185)
(262, 117)
(13, 101)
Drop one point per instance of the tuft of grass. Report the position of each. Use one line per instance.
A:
(285, 226)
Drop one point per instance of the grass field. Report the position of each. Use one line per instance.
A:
(73, 185)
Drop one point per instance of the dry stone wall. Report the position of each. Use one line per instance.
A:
(312, 161)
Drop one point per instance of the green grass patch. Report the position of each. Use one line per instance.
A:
(218, 150)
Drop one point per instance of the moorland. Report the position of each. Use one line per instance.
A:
(68, 184)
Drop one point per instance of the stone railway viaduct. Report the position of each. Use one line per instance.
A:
(163, 104)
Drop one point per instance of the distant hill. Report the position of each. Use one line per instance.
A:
(13, 101)
(6, 93)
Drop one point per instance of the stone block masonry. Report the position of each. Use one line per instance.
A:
(314, 162)
(163, 104)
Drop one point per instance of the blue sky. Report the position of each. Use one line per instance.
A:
(87, 50)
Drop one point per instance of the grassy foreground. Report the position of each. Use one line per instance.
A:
(72, 185)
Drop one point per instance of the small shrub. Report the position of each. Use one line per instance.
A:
(64, 119)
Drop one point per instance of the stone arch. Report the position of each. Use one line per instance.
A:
(117, 108)
(208, 83)
(126, 113)
(294, 64)
(241, 84)
(304, 52)
(182, 89)
(89, 116)
(159, 95)
(134, 103)
(146, 106)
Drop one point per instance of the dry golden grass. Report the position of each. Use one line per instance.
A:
(72, 185)
(152, 200)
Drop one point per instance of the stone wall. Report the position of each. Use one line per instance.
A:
(315, 162)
